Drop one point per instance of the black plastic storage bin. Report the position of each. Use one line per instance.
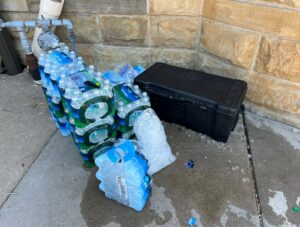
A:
(200, 101)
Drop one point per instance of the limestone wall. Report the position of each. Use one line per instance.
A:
(253, 40)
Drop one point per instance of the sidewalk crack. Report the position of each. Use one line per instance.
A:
(251, 165)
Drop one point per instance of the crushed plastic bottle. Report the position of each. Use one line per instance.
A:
(123, 175)
(152, 141)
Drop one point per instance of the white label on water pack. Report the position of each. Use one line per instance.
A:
(121, 182)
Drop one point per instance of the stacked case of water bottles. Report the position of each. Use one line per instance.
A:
(130, 103)
(80, 100)
(129, 100)
(50, 64)
(99, 112)
(88, 101)
(94, 110)
(127, 180)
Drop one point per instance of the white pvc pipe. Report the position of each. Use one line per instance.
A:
(49, 9)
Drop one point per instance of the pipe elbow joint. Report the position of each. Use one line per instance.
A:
(68, 23)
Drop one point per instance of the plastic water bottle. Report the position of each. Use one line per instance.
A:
(96, 132)
(61, 123)
(152, 140)
(123, 73)
(90, 155)
(123, 175)
(89, 142)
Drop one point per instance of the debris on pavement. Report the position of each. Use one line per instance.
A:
(192, 221)
(189, 164)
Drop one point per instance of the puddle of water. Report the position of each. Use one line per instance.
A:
(97, 210)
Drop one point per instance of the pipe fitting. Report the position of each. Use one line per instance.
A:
(67, 23)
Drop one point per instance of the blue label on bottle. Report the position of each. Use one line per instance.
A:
(139, 69)
(112, 77)
(60, 58)
(129, 94)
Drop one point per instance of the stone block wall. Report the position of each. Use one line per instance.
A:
(252, 40)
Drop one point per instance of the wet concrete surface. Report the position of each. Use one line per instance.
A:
(220, 179)
(218, 191)
(26, 127)
(276, 158)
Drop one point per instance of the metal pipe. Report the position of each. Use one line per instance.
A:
(45, 25)
(31, 60)
(38, 23)
(24, 41)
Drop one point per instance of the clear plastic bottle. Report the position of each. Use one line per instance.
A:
(123, 73)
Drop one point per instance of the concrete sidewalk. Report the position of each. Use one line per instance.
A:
(58, 191)
(25, 128)
(276, 159)
(253, 180)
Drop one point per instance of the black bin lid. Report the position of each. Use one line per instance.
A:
(195, 86)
